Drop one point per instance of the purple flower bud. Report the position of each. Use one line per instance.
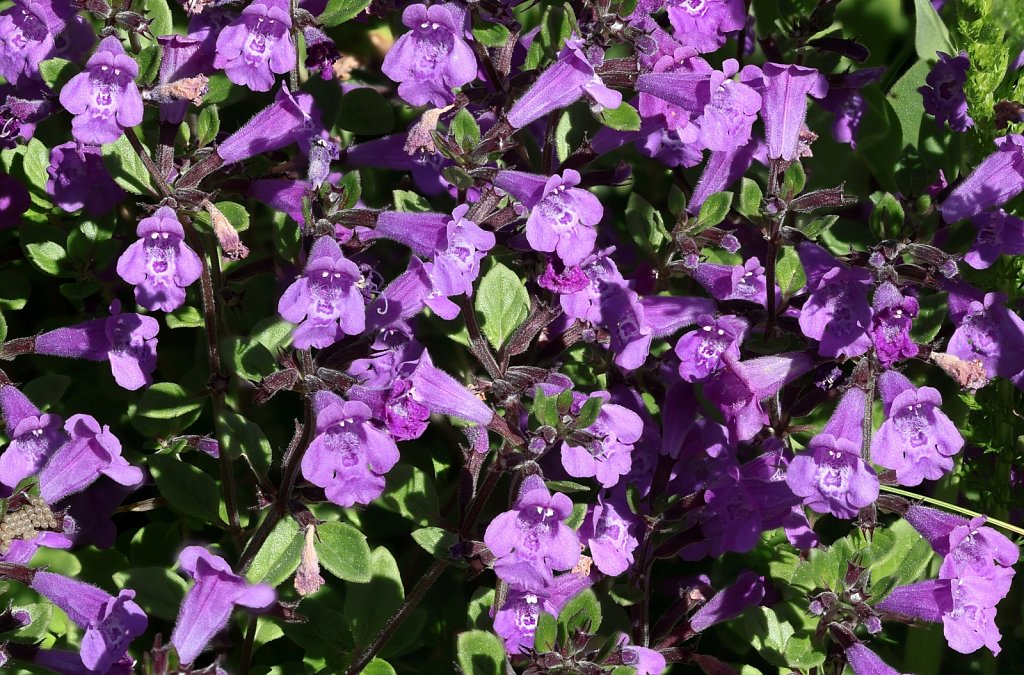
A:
(944, 94)
(103, 97)
(182, 57)
(14, 201)
(441, 393)
(110, 623)
(837, 312)
(90, 452)
(746, 591)
(562, 217)
(610, 533)
(570, 78)
(784, 106)
(325, 301)
(349, 456)
(998, 233)
(642, 660)
(433, 57)
(257, 44)
(79, 179)
(893, 314)
(704, 24)
(389, 153)
(533, 534)
(160, 264)
(320, 52)
(208, 604)
(831, 476)
(281, 194)
(128, 341)
(700, 351)
(998, 179)
(287, 120)
(35, 436)
(863, 661)
(608, 456)
(321, 153)
(916, 439)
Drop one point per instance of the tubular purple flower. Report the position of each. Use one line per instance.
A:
(723, 168)
(320, 52)
(208, 604)
(325, 302)
(103, 97)
(998, 234)
(608, 456)
(257, 44)
(456, 262)
(90, 452)
(700, 351)
(70, 663)
(610, 533)
(160, 264)
(423, 233)
(642, 660)
(441, 393)
(181, 57)
(998, 179)
(944, 93)
(35, 436)
(989, 333)
(433, 58)
(784, 106)
(402, 299)
(704, 24)
(14, 201)
(747, 591)
(287, 120)
(863, 661)
(631, 335)
(516, 620)
(571, 77)
(593, 301)
(110, 623)
(27, 32)
(848, 104)
(892, 317)
(389, 153)
(735, 282)
(916, 439)
(837, 312)
(79, 179)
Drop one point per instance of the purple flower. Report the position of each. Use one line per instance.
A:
(724, 167)
(289, 119)
(740, 386)
(433, 57)
(257, 44)
(965, 544)
(349, 456)
(831, 476)
(562, 217)
(35, 436)
(14, 201)
(631, 334)
(608, 456)
(320, 52)
(533, 535)
(998, 179)
(208, 604)
(181, 57)
(127, 341)
(748, 590)
(110, 623)
(727, 118)
(846, 102)
(610, 533)
(457, 261)
(160, 264)
(998, 233)
(389, 153)
(604, 281)
(441, 393)
(837, 312)
(703, 24)
(700, 351)
(965, 607)
(989, 333)
(403, 416)
(79, 179)
(734, 282)
(916, 439)
(70, 663)
(103, 97)
(27, 32)
(784, 106)
(892, 316)
(21, 109)
(325, 301)
(516, 620)
(402, 299)
(642, 660)
(676, 90)
(571, 77)
(944, 95)
(90, 452)
(863, 661)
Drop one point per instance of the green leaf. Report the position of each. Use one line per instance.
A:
(3, 327)
(279, 556)
(588, 412)
(158, 590)
(545, 408)
(411, 494)
(645, 224)
(35, 163)
(165, 409)
(57, 72)
(899, 555)
(789, 273)
(14, 287)
(39, 242)
(502, 303)
(623, 118)
(243, 437)
(208, 125)
(436, 541)
(352, 184)
(767, 634)
(582, 612)
(368, 606)
(236, 214)
(929, 319)
(160, 14)
(378, 667)
(148, 61)
(713, 211)
(930, 34)
(466, 130)
(907, 103)
(481, 653)
(365, 112)
(126, 167)
(814, 228)
(491, 35)
(545, 636)
(794, 180)
(185, 316)
(340, 11)
(750, 198)
(187, 488)
(247, 358)
(886, 221)
(409, 202)
(39, 617)
(676, 201)
(343, 551)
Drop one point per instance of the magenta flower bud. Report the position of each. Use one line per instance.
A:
(441, 393)
(320, 52)
(80, 180)
(287, 120)
(863, 661)
(110, 623)
(182, 58)
(257, 44)
(208, 604)
(35, 436)
(944, 93)
(14, 201)
(837, 312)
(433, 58)
(998, 179)
(127, 341)
(784, 106)
(92, 451)
(349, 455)
(746, 591)
(570, 78)
(325, 302)
(160, 264)
(103, 98)
(704, 25)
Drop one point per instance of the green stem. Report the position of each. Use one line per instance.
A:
(953, 507)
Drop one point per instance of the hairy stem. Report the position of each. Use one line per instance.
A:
(154, 172)
(953, 507)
